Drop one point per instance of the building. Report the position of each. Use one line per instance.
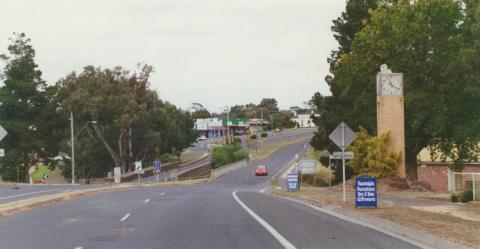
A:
(304, 120)
(209, 127)
(438, 174)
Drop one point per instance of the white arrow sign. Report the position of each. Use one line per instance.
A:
(3, 133)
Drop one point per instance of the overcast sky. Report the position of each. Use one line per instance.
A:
(215, 52)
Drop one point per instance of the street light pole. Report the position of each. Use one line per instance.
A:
(73, 147)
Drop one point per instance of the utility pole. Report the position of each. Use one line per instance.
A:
(73, 147)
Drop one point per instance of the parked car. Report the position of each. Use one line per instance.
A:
(261, 170)
(201, 138)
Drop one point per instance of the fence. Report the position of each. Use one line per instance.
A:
(467, 181)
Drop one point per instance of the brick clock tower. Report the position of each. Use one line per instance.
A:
(391, 112)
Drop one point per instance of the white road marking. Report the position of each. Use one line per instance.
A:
(284, 242)
(263, 189)
(66, 190)
(31, 193)
(147, 200)
(125, 217)
(162, 193)
(79, 247)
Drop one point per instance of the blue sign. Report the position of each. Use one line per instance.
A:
(157, 165)
(366, 192)
(292, 182)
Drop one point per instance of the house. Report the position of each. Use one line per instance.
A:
(304, 120)
(439, 175)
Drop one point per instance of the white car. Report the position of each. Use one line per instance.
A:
(201, 138)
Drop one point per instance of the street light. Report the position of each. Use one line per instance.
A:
(72, 137)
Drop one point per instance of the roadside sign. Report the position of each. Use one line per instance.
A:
(292, 182)
(3, 133)
(117, 174)
(338, 155)
(157, 165)
(366, 192)
(138, 165)
(2, 152)
(342, 136)
(308, 167)
(172, 173)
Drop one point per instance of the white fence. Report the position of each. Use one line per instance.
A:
(467, 181)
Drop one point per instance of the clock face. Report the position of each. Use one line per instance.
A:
(391, 85)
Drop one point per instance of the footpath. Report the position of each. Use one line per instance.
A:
(423, 218)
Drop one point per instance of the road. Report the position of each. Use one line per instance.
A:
(209, 215)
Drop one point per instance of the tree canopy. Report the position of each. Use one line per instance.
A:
(432, 44)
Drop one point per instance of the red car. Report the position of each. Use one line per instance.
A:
(261, 170)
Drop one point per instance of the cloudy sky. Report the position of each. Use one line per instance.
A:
(215, 52)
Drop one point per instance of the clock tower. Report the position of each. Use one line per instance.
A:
(391, 112)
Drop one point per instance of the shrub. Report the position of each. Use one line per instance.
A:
(264, 134)
(167, 158)
(223, 155)
(398, 183)
(253, 136)
(422, 186)
(466, 196)
(454, 198)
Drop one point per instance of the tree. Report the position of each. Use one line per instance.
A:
(371, 156)
(425, 41)
(27, 105)
(121, 111)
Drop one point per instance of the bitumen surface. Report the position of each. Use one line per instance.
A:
(198, 216)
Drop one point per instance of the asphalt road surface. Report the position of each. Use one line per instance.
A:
(229, 212)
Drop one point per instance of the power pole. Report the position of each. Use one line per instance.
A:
(73, 147)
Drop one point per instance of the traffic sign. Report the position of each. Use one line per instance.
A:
(2, 152)
(138, 165)
(157, 165)
(3, 133)
(342, 136)
(339, 154)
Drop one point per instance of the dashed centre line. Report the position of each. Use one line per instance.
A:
(147, 200)
(162, 193)
(125, 217)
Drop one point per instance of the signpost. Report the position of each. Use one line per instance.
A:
(366, 192)
(343, 136)
(292, 182)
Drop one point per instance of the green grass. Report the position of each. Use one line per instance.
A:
(38, 174)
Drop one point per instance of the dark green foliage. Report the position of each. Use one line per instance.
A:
(454, 198)
(466, 196)
(337, 169)
(439, 59)
(227, 154)
(264, 134)
(253, 136)
(168, 158)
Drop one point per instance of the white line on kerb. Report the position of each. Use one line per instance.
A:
(125, 217)
(31, 193)
(284, 242)
(147, 200)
